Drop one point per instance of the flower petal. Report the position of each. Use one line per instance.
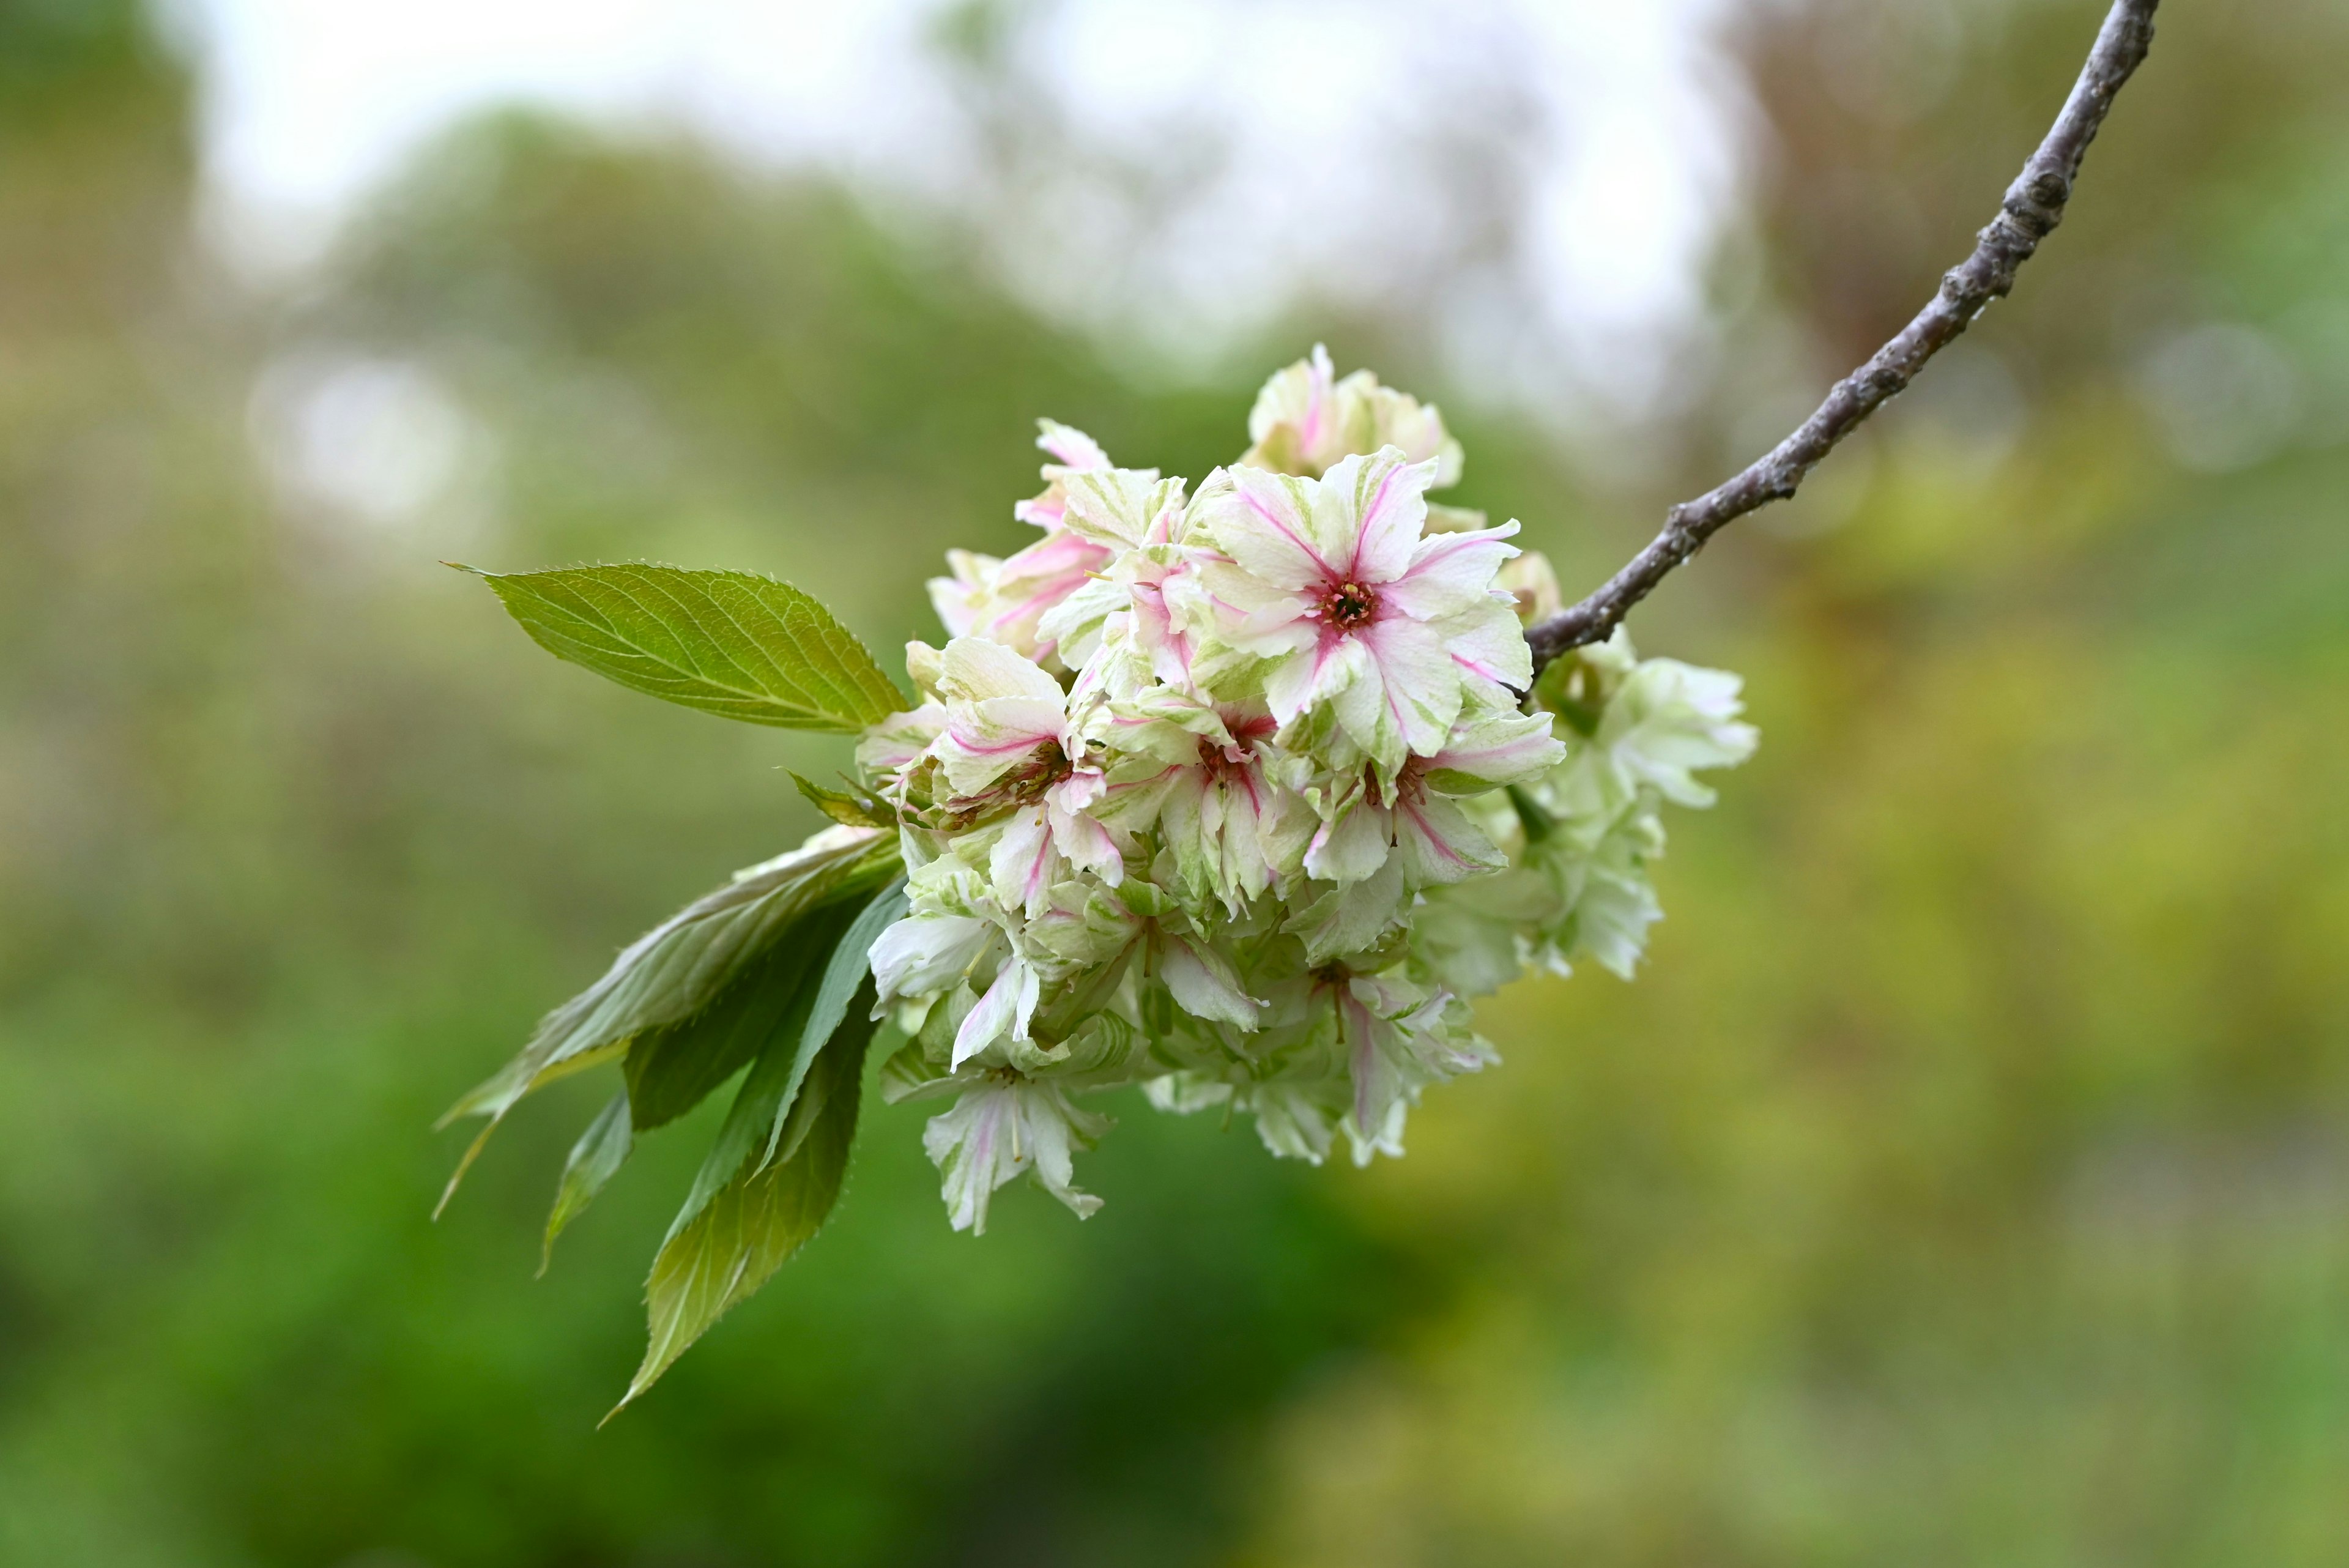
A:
(1086, 844)
(1023, 864)
(1449, 573)
(1007, 1005)
(1117, 506)
(999, 1129)
(925, 953)
(1398, 419)
(1265, 522)
(975, 669)
(972, 1146)
(1406, 699)
(1437, 842)
(1068, 446)
(1205, 986)
(959, 599)
(1333, 665)
(1367, 513)
(1298, 425)
(1492, 748)
(1353, 846)
(1487, 642)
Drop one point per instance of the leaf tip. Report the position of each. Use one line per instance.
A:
(465, 1163)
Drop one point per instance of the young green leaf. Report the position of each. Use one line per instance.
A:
(771, 1177)
(734, 1234)
(678, 968)
(673, 1068)
(731, 643)
(845, 977)
(759, 1121)
(595, 1159)
(854, 807)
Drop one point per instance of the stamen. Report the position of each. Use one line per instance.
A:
(1349, 605)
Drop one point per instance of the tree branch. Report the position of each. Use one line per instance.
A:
(2034, 206)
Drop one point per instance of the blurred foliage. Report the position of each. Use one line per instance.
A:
(1964, 1182)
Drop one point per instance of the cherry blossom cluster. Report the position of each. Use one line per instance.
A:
(1240, 792)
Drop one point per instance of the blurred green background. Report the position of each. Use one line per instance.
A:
(1966, 1182)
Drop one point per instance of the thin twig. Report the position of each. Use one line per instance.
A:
(2034, 206)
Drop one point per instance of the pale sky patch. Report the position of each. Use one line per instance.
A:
(1282, 149)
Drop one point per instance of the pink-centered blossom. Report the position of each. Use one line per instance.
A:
(1004, 600)
(1306, 419)
(1009, 740)
(1414, 816)
(1359, 614)
(1230, 825)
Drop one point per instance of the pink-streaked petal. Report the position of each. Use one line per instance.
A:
(1408, 699)
(958, 598)
(1003, 726)
(1377, 505)
(1251, 614)
(1448, 574)
(1141, 784)
(1397, 418)
(1486, 642)
(1246, 725)
(1053, 555)
(1296, 396)
(1021, 866)
(1116, 507)
(1204, 986)
(1438, 843)
(1079, 791)
(1265, 523)
(1087, 844)
(955, 604)
(1068, 446)
(1319, 673)
(1045, 512)
(1357, 1032)
(995, 1011)
(1313, 425)
(1170, 651)
(1013, 617)
(1504, 748)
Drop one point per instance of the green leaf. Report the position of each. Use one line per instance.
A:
(731, 643)
(854, 807)
(758, 1121)
(844, 977)
(673, 1068)
(678, 968)
(595, 1159)
(735, 1232)
(774, 1171)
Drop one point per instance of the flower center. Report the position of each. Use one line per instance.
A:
(1349, 605)
(1047, 767)
(1222, 763)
